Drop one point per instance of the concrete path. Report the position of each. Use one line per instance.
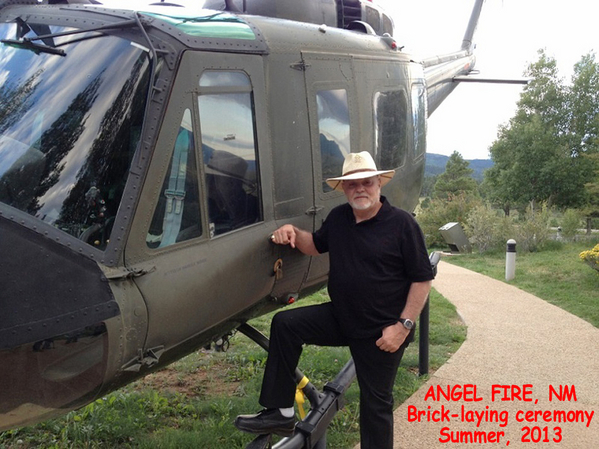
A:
(515, 340)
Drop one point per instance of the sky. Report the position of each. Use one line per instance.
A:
(509, 34)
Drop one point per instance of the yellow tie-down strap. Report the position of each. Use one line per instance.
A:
(300, 398)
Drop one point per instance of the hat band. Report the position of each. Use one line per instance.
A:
(358, 171)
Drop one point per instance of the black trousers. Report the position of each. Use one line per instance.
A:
(375, 369)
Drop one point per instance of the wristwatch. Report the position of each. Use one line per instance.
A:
(407, 323)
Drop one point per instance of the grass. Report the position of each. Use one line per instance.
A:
(555, 274)
(193, 402)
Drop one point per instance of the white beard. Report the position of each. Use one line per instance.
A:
(362, 205)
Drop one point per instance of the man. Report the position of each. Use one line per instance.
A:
(379, 279)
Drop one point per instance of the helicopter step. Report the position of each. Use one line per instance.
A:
(311, 430)
(261, 442)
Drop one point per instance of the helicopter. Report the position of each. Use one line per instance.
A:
(148, 153)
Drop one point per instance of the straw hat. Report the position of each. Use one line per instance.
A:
(359, 166)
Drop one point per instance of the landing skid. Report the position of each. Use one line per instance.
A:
(310, 432)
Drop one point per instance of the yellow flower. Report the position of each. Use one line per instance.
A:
(591, 257)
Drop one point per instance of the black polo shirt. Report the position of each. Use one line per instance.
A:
(372, 265)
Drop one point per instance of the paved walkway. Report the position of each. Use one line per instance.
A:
(514, 339)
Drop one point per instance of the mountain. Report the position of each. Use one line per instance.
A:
(435, 165)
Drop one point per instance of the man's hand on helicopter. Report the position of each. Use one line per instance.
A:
(296, 238)
(285, 235)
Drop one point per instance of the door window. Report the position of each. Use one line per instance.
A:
(229, 150)
(333, 131)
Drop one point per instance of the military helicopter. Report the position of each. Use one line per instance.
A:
(146, 155)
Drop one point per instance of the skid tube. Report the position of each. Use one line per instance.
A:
(310, 432)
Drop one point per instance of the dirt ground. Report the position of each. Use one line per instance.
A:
(212, 378)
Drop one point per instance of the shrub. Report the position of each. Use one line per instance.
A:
(534, 230)
(481, 228)
(488, 228)
(442, 211)
(570, 224)
(505, 229)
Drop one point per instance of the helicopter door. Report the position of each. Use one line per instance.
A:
(202, 225)
(330, 86)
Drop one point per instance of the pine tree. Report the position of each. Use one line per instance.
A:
(456, 179)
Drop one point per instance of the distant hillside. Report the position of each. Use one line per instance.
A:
(435, 165)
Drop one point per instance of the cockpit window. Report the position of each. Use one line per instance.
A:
(70, 127)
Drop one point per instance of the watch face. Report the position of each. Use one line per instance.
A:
(408, 324)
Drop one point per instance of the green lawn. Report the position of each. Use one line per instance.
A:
(555, 274)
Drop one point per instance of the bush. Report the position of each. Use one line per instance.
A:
(439, 212)
(534, 230)
(570, 224)
(481, 228)
(505, 229)
(487, 228)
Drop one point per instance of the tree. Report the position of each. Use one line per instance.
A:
(585, 130)
(535, 159)
(456, 179)
(591, 208)
(584, 106)
(428, 186)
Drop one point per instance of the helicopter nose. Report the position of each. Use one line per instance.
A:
(53, 337)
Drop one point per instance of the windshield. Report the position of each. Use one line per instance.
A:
(69, 125)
